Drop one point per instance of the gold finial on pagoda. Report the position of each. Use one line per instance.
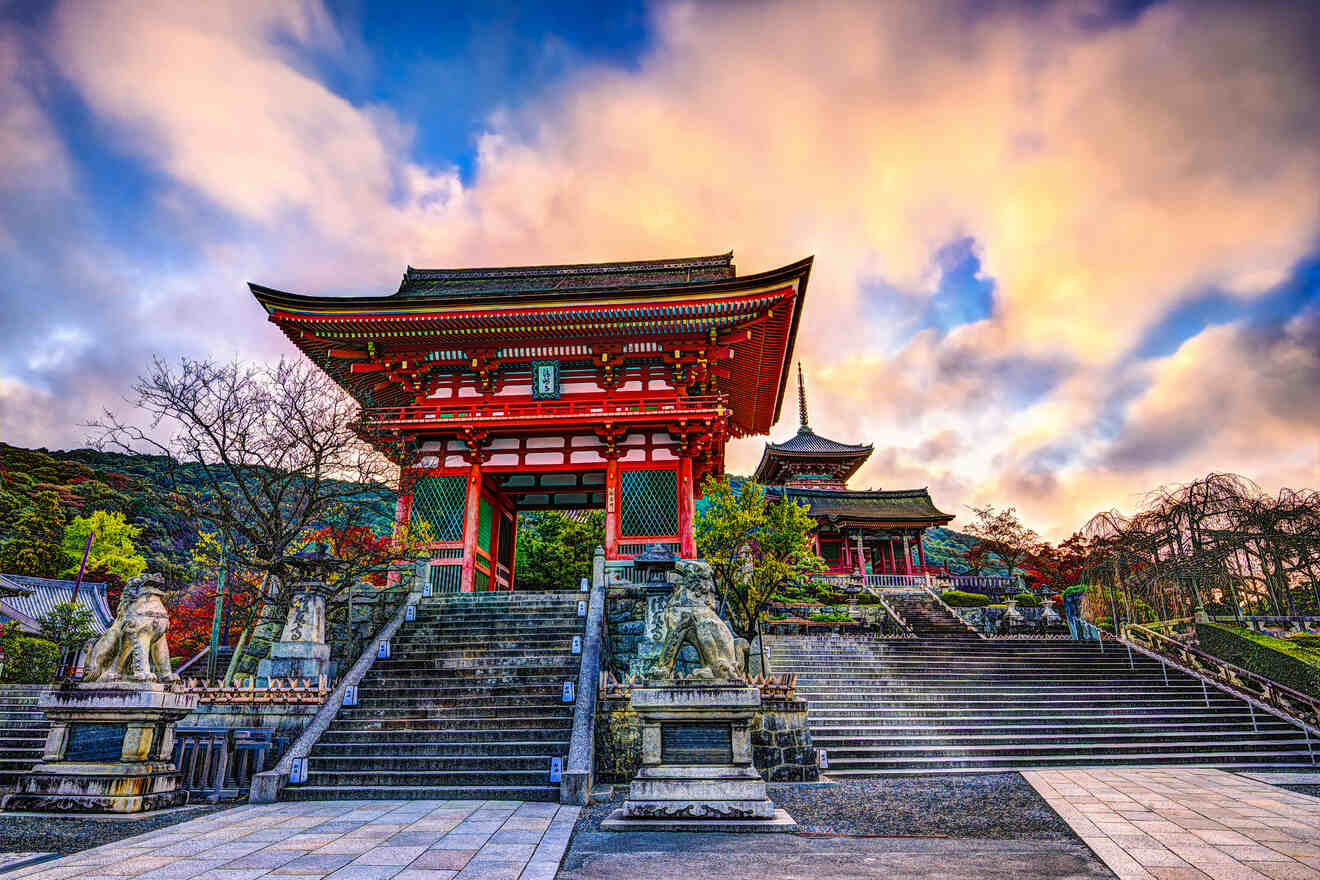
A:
(802, 397)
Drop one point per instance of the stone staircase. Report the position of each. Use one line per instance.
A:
(963, 704)
(926, 617)
(23, 730)
(469, 705)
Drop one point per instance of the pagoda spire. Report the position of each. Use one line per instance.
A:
(802, 398)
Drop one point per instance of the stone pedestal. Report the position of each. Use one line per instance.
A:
(108, 751)
(697, 772)
(302, 651)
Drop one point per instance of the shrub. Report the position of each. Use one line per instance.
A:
(1277, 659)
(1074, 590)
(1027, 600)
(996, 607)
(27, 659)
(959, 599)
(1309, 641)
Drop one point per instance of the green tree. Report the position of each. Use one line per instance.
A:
(68, 626)
(754, 549)
(112, 548)
(554, 551)
(34, 545)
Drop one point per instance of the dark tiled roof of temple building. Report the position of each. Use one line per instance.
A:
(579, 276)
(29, 599)
(877, 506)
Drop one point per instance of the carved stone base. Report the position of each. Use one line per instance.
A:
(98, 788)
(697, 772)
(108, 750)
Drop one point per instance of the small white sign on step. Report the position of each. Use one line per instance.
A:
(577, 644)
(411, 613)
(350, 695)
(383, 653)
(298, 772)
(556, 769)
(584, 586)
(582, 608)
(823, 759)
(426, 590)
(568, 692)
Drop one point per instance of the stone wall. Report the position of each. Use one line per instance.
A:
(286, 719)
(781, 742)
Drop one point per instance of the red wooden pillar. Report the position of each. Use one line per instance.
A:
(907, 556)
(921, 552)
(612, 508)
(470, 514)
(687, 543)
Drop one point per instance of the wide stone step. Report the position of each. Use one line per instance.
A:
(899, 729)
(424, 749)
(1199, 757)
(333, 792)
(502, 731)
(525, 766)
(377, 779)
(497, 720)
(1029, 748)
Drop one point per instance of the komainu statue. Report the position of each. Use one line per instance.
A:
(690, 618)
(134, 646)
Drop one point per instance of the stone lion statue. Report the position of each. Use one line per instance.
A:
(134, 646)
(690, 617)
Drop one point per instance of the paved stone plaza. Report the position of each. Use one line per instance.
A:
(342, 840)
(1186, 823)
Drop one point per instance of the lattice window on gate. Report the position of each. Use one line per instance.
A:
(648, 503)
(440, 503)
(485, 516)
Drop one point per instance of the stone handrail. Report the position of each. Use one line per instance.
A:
(956, 616)
(266, 786)
(1275, 698)
(575, 786)
(898, 618)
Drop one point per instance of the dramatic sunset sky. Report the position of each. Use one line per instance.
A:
(1064, 252)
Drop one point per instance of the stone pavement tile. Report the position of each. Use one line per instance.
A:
(528, 823)
(134, 865)
(424, 874)
(491, 871)
(186, 848)
(1200, 823)
(1253, 852)
(349, 845)
(317, 863)
(1232, 871)
(411, 838)
(1268, 834)
(182, 869)
(1117, 859)
(1222, 836)
(366, 872)
(433, 825)
(505, 852)
(444, 859)
(542, 870)
(270, 859)
(514, 835)
(303, 841)
(1296, 850)
(1160, 857)
(268, 834)
(1289, 870)
(335, 826)
(455, 840)
(389, 855)
(1161, 872)
(232, 874)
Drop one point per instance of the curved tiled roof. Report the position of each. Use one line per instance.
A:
(870, 506)
(573, 276)
(32, 598)
(808, 441)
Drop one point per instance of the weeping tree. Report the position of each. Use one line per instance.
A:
(265, 456)
(1219, 543)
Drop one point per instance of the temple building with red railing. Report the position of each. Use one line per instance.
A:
(612, 386)
(867, 531)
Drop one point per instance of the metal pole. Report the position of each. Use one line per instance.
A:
(83, 568)
(1205, 693)
(220, 579)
